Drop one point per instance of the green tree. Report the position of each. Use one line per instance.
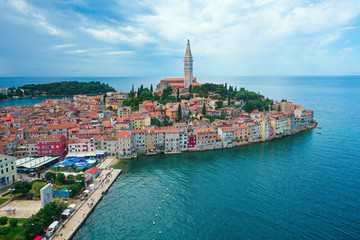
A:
(5, 231)
(167, 92)
(151, 88)
(74, 189)
(13, 222)
(178, 95)
(19, 92)
(80, 177)
(190, 88)
(3, 96)
(219, 104)
(50, 176)
(33, 226)
(109, 108)
(104, 98)
(60, 177)
(70, 177)
(203, 111)
(229, 101)
(179, 112)
(22, 187)
(3, 221)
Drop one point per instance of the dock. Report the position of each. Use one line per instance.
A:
(79, 216)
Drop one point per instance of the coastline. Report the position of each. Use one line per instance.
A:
(307, 128)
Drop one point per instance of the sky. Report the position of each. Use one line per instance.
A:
(148, 37)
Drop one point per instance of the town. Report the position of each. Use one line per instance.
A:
(74, 140)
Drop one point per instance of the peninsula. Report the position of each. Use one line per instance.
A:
(78, 138)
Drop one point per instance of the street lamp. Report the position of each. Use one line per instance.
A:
(11, 190)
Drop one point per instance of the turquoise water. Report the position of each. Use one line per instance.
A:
(300, 187)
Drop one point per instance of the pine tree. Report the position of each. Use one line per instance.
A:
(179, 115)
(190, 88)
(151, 88)
(229, 101)
(203, 110)
(178, 95)
(235, 89)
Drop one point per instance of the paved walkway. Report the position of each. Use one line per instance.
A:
(84, 210)
(23, 208)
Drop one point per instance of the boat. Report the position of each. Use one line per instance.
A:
(33, 97)
(319, 127)
(318, 132)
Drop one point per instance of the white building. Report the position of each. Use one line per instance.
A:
(7, 170)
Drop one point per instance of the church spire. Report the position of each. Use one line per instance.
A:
(188, 67)
(188, 51)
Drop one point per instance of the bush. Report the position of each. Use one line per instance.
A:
(4, 231)
(22, 187)
(53, 168)
(69, 169)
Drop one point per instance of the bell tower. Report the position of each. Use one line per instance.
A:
(188, 67)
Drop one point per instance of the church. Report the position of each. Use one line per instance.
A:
(183, 84)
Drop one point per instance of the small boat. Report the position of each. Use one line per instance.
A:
(319, 127)
(318, 132)
(33, 97)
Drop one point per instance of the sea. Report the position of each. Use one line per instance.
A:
(305, 186)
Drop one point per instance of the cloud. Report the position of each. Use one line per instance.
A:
(32, 16)
(120, 52)
(64, 46)
(119, 34)
(79, 51)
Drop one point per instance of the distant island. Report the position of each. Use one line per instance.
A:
(65, 88)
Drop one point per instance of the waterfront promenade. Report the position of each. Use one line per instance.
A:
(102, 183)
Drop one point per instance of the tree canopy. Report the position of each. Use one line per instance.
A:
(22, 187)
(66, 88)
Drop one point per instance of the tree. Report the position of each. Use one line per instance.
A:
(5, 231)
(104, 98)
(80, 177)
(50, 176)
(19, 92)
(178, 95)
(190, 88)
(151, 88)
(22, 187)
(13, 222)
(229, 101)
(203, 111)
(33, 225)
(70, 177)
(60, 177)
(167, 92)
(219, 104)
(74, 189)
(179, 112)
(109, 108)
(3, 221)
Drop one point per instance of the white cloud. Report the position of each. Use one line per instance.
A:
(120, 52)
(33, 16)
(119, 34)
(64, 46)
(78, 51)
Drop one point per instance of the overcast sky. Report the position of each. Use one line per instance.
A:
(148, 37)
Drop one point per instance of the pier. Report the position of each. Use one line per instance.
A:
(68, 228)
